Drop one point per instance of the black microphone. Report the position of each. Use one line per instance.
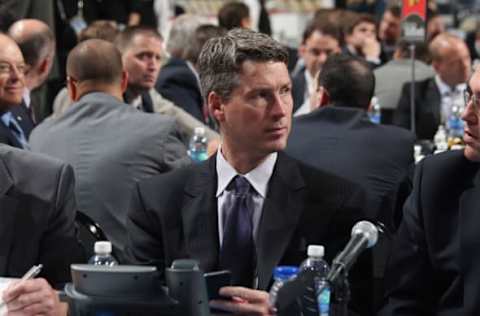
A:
(364, 235)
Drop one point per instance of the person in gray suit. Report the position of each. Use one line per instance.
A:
(37, 227)
(110, 144)
(390, 77)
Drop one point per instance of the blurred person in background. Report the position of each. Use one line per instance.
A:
(320, 40)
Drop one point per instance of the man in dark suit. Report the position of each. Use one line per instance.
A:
(195, 212)
(340, 126)
(37, 227)
(37, 43)
(14, 127)
(339, 137)
(435, 97)
(435, 261)
(178, 79)
(320, 40)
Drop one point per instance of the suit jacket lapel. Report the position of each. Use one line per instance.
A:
(435, 101)
(281, 211)
(8, 206)
(199, 215)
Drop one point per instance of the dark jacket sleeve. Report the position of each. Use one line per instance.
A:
(409, 272)
(402, 113)
(59, 246)
(145, 242)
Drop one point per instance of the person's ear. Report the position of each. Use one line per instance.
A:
(216, 106)
(246, 23)
(324, 97)
(72, 89)
(124, 81)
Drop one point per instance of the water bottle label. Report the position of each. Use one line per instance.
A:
(198, 156)
(323, 299)
(375, 118)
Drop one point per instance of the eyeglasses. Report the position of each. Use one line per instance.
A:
(471, 97)
(7, 68)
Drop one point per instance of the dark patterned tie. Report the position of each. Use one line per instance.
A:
(18, 133)
(238, 248)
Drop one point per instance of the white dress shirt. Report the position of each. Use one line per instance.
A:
(449, 97)
(305, 108)
(258, 179)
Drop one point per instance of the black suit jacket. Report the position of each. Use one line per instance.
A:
(427, 108)
(177, 83)
(37, 208)
(20, 113)
(343, 141)
(175, 216)
(299, 84)
(435, 263)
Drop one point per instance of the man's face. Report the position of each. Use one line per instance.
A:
(12, 67)
(256, 118)
(389, 28)
(142, 62)
(360, 33)
(316, 50)
(471, 116)
(455, 65)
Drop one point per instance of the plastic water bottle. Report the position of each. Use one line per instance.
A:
(440, 139)
(316, 264)
(280, 276)
(103, 254)
(375, 113)
(197, 149)
(455, 123)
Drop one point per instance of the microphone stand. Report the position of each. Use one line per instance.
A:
(340, 296)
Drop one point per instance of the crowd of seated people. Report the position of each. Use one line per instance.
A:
(294, 156)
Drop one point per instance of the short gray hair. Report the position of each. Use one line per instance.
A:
(181, 34)
(221, 59)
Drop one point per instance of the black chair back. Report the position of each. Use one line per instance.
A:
(88, 232)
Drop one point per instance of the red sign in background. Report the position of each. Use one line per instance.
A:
(414, 7)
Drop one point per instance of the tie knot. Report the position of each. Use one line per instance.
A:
(241, 185)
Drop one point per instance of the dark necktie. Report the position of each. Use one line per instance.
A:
(238, 248)
(18, 133)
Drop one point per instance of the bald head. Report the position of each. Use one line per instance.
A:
(95, 60)
(35, 40)
(445, 44)
(450, 58)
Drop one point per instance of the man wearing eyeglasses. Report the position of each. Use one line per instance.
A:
(435, 263)
(13, 130)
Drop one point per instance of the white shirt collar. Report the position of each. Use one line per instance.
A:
(305, 108)
(137, 102)
(258, 177)
(445, 88)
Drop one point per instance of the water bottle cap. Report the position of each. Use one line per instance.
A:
(315, 251)
(285, 272)
(199, 131)
(103, 247)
